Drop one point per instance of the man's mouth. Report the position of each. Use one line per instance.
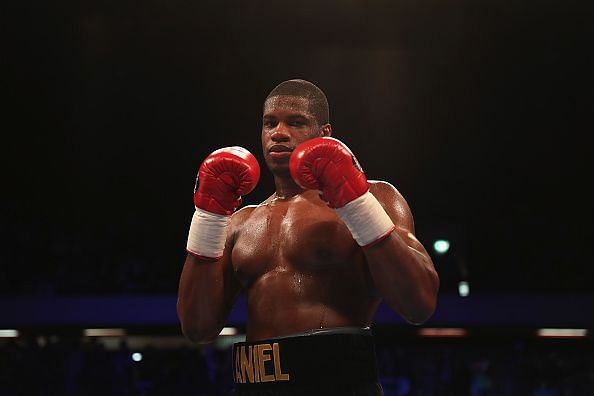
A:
(280, 151)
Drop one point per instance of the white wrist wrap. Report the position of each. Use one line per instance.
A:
(366, 219)
(208, 233)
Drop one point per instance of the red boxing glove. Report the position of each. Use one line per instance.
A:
(326, 164)
(224, 176)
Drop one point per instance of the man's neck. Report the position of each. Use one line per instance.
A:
(286, 187)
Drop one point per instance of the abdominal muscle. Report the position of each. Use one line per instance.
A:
(284, 303)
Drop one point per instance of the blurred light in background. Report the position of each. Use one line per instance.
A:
(442, 332)
(463, 289)
(562, 333)
(104, 332)
(137, 356)
(8, 333)
(441, 246)
(228, 331)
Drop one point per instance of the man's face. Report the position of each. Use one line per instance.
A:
(286, 122)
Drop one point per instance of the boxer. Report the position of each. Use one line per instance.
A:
(314, 259)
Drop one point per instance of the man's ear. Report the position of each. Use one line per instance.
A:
(326, 130)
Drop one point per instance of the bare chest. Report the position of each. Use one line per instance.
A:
(299, 235)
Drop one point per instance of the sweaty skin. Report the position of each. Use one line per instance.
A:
(300, 267)
(296, 260)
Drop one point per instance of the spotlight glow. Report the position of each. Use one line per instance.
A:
(137, 356)
(463, 289)
(441, 246)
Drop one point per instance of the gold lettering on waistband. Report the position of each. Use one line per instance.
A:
(278, 374)
(256, 364)
(264, 356)
(250, 364)
(247, 365)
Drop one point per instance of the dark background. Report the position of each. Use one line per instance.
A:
(478, 112)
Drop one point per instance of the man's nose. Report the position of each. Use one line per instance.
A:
(280, 133)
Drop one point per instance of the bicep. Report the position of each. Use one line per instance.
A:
(397, 208)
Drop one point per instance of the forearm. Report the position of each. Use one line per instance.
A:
(203, 302)
(404, 277)
(207, 286)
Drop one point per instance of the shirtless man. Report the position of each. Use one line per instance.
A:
(314, 260)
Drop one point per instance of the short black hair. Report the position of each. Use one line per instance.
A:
(318, 103)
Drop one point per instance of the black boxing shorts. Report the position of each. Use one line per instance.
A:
(337, 361)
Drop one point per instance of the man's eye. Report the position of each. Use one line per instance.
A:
(269, 124)
(296, 123)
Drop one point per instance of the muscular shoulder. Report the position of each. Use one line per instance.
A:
(242, 215)
(237, 219)
(385, 192)
(393, 203)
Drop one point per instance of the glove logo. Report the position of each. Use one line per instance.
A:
(356, 163)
